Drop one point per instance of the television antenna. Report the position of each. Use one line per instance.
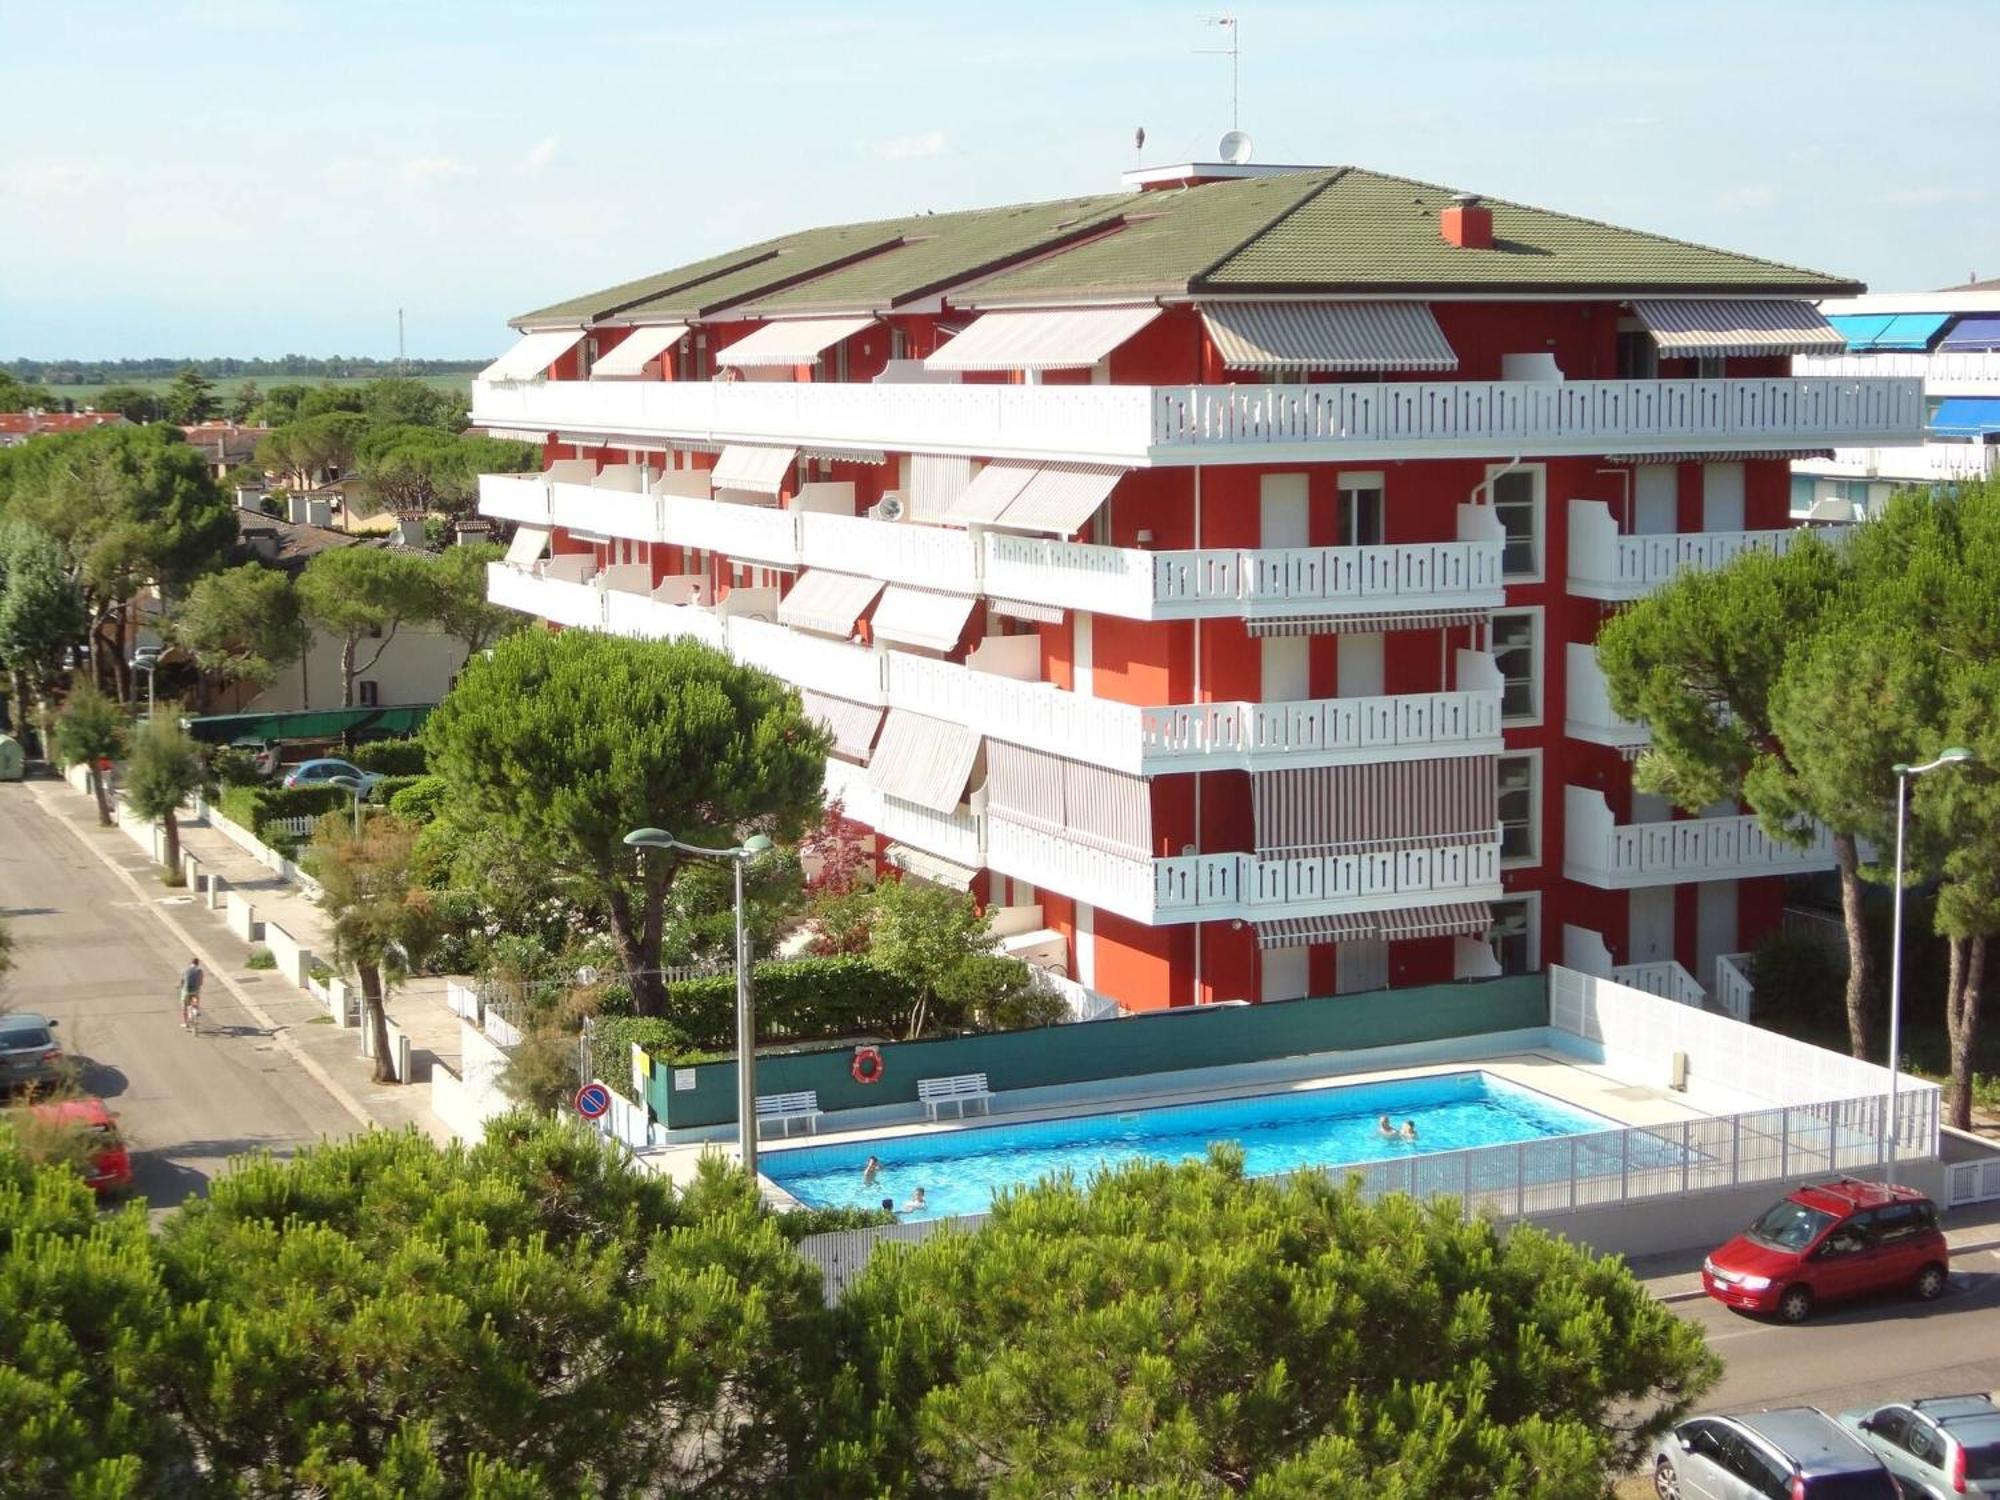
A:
(1226, 20)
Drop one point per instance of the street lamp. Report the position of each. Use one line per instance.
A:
(746, 1018)
(1957, 755)
(359, 789)
(147, 659)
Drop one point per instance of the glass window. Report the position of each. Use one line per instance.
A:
(1361, 515)
(1890, 1424)
(1789, 1226)
(1920, 1441)
(370, 693)
(1513, 936)
(1517, 807)
(1708, 367)
(1516, 651)
(1638, 355)
(1517, 505)
(1896, 1221)
(1849, 1238)
(1982, 1461)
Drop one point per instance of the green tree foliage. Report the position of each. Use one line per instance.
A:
(42, 617)
(924, 933)
(243, 624)
(364, 593)
(191, 398)
(16, 395)
(312, 448)
(426, 470)
(92, 729)
(134, 403)
(563, 743)
(243, 405)
(459, 606)
(165, 769)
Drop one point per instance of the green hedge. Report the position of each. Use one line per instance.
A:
(385, 790)
(418, 798)
(260, 808)
(392, 757)
(796, 998)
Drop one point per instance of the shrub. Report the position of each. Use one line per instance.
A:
(172, 876)
(389, 788)
(996, 994)
(419, 798)
(1798, 981)
(232, 767)
(261, 958)
(392, 757)
(261, 808)
(796, 998)
(612, 1040)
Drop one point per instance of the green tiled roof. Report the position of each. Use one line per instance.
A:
(1327, 229)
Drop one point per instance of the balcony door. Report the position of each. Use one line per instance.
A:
(1362, 673)
(1281, 511)
(1650, 925)
(1285, 974)
(1287, 678)
(1722, 497)
(1655, 500)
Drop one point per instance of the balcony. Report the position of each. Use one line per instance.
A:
(1928, 463)
(1599, 851)
(1950, 373)
(959, 836)
(1165, 425)
(1589, 715)
(1605, 564)
(515, 497)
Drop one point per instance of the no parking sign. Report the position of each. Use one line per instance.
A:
(593, 1101)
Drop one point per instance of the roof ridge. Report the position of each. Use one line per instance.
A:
(1334, 174)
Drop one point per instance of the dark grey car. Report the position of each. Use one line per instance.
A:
(1792, 1453)
(30, 1056)
(1939, 1447)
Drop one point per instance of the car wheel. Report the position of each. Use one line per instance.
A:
(1666, 1483)
(1930, 1282)
(1795, 1304)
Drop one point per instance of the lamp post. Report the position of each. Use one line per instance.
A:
(357, 788)
(1957, 755)
(746, 1018)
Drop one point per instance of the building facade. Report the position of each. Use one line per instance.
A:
(1205, 575)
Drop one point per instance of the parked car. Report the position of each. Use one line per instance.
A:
(1791, 1453)
(107, 1167)
(325, 772)
(30, 1056)
(1938, 1447)
(1830, 1241)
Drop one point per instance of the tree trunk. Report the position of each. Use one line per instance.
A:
(347, 672)
(24, 714)
(1961, 1020)
(171, 826)
(103, 794)
(638, 937)
(376, 1019)
(1848, 861)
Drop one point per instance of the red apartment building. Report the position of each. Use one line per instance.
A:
(1205, 575)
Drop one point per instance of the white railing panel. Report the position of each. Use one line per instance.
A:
(807, 660)
(900, 551)
(1072, 575)
(515, 497)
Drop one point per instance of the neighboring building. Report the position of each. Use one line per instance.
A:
(1207, 578)
(17, 427)
(228, 446)
(1951, 341)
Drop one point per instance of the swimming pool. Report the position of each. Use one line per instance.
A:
(960, 1171)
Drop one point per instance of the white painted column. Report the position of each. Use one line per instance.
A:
(1085, 944)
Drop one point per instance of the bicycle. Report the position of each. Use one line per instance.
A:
(191, 1013)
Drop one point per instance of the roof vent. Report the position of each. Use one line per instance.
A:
(1468, 223)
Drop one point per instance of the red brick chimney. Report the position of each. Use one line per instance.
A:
(1468, 223)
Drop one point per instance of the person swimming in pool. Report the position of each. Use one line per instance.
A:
(1409, 1130)
(1385, 1129)
(916, 1204)
(871, 1171)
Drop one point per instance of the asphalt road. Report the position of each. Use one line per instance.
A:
(89, 954)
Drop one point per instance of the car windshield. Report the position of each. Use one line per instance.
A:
(26, 1039)
(1789, 1226)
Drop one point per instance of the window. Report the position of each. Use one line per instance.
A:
(1638, 355)
(1890, 1424)
(1361, 510)
(1517, 651)
(368, 693)
(1920, 1440)
(1896, 1221)
(1519, 796)
(1708, 367)
(1513, 935)
(1517, 506)
(1849, 1238)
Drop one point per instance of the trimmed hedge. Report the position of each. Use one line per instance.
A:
(796, 999)
(392, 757)
(261, 808)
(385, 791)
(419, 798)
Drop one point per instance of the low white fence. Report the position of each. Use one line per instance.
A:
(1972, 1182)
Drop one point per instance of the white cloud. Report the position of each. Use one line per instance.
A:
(420, 171)
(543, 153)
(1750, 197)
(348, 171)
(1931, 197)
(50, 179)
(908, 147)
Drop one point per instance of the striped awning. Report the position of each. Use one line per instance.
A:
(1108, 810)
(790, 341)
(989, 493)
(640, 348)
(743, 467)
(921, 617)
(1405, 804)
(1324, 624)
(533, 354)
(1717, 455)
(1303, 932)
(1328, 336)
(827, 602)
(529, 543)
(1715, 326)
(852, 725)
(1021, 609)
(932, 867)
(1059, 498)
(923, 760)
(1452, 919)
(873, 456)
(1072, 338)
(936, 482)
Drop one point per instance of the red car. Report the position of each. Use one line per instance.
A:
(109, 1168)
(1827, 1242)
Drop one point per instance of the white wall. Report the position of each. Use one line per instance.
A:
(466, 1100)
(416, 667)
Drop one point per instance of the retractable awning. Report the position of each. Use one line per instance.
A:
(1966, 416)
(1887, 332)
(742, 467)
(1328, 336)
(1973, 335)
(991, 491)
(1303, 932)
(932, 867)
(529, 543)
(1073, 338)
(1109, 810)
(923, 760)
(921, 617)
(1326, 624)
(852, 725)
(791, 341)
(641, 347)
(1406, 804)
(533, 354)
(1746, 326)
(1450, 919)
(1059, 498)
(827, 602)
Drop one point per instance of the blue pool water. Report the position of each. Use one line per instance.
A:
(960, 1171)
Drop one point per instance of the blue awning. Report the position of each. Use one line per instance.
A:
(1966, 416)
(1973, 334)
(1912, 332)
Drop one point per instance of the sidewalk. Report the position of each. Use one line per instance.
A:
(298, 1023)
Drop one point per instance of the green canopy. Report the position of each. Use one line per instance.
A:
(309, 724)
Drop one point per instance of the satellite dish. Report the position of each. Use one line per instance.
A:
(1234, 147)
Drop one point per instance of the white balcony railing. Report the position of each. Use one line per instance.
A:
(939, 557)
(515, 497)
(1949, 373)
(1588, 714)
(1321, 731)
(1146, 425)
(1599, 851)
(1605, 564)
(1733, 990)
(1665, 978)
(959, 836)
(1928, 463)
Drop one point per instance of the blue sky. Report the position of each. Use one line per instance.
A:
(209, 177)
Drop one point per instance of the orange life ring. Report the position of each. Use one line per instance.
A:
(867, 1065)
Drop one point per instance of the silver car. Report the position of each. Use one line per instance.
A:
(1793, 1453)
(30, 1056)
(1940, 1447)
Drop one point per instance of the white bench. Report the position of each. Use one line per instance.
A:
(776, 1109)
(966, 1088)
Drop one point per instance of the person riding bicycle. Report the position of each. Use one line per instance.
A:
(191, 979)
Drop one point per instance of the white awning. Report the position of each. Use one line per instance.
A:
(791, 341)
(533, 354)
(1303, 932)
(932, 867)
(936, 482)
(529, 543)
(991, 491)
(1072, 338)
(921, 617)
(1452, 919)
(827, 602)
(852, 725)
(1683, 329)
(641, 347)
(923, 760)
(1328, 336)
(1022, 609)
(1109, 810)
(1405, 804)
(1329, 624)
(1059, 498)
(742, 467)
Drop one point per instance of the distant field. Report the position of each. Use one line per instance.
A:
(225, 385)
